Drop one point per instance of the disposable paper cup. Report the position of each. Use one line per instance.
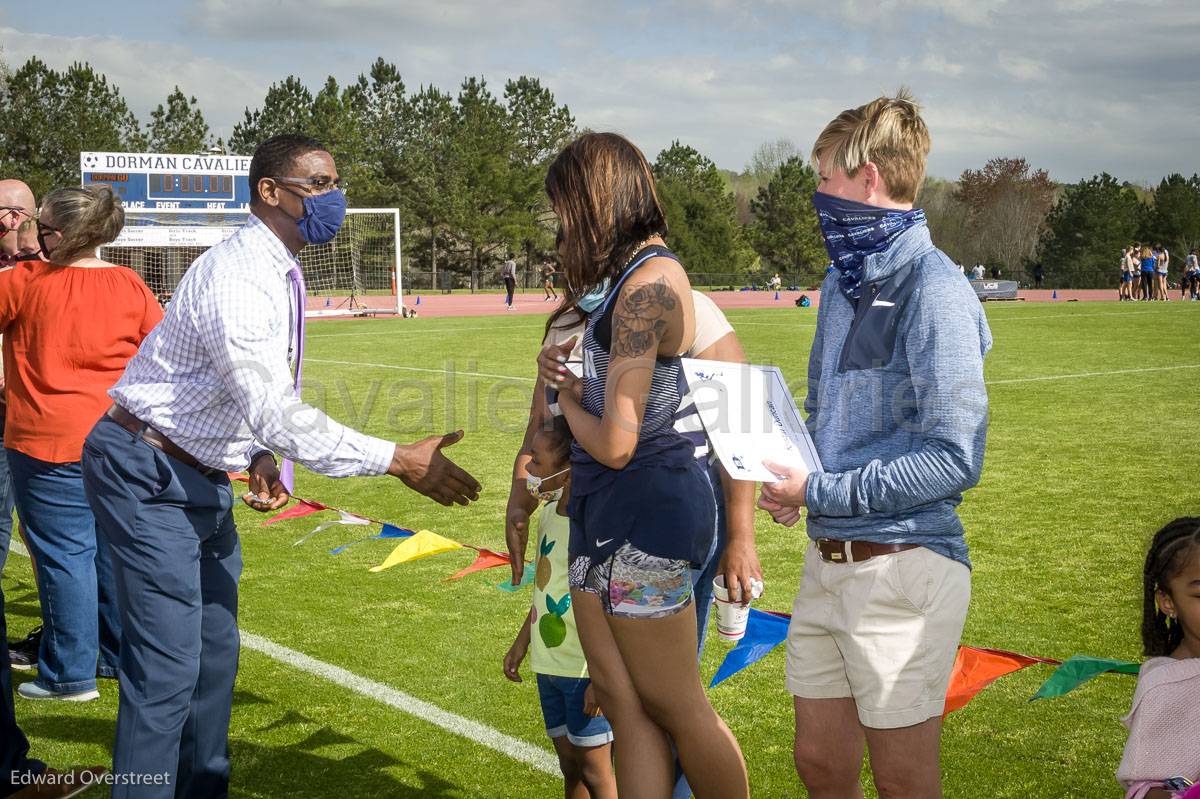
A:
(731, 616)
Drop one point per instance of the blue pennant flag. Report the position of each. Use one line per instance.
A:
(764, 632)
(388, 531)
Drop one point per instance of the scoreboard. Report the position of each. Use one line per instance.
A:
(172, 183)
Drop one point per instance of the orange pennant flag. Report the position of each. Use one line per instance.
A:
(976, 668)
(486, 559)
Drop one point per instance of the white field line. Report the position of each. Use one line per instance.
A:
(991, 319)
(1093, 374)
(989, 382)
(421, 369)
(798, 323)
(1019, 318)
(461, 726)
(464, 727)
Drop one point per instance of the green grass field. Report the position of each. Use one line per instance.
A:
(1092, 447)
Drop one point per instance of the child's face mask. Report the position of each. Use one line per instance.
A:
(533, 484)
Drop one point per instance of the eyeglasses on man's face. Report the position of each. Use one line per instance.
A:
(13, 216)
(313, 185)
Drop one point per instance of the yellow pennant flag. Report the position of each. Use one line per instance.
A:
(419, 545)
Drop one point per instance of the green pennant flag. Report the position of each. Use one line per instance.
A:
(526, 579)
(1077, 670)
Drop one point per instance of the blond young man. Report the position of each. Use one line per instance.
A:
(898, 410)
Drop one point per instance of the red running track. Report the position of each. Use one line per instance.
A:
(440, 305)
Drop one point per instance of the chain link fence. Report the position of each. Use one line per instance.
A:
(530, 280)
(484, 281)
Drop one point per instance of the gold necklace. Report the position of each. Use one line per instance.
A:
(641, 246)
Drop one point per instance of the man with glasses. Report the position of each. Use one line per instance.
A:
(18, 241)
(215, 388)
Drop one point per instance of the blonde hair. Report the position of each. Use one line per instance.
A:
(87, 216)
(887, 132)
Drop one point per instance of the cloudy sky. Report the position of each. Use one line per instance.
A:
(1075, 86)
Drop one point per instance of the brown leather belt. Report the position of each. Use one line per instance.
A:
(833, 551)
(156, 439)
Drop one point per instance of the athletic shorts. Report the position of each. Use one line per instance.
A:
(883, 631)
(562, 710)
(1126, 277)
(634, 584)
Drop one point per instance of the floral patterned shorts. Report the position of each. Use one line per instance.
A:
(634, 584)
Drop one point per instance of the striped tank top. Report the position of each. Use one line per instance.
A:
(659, 443)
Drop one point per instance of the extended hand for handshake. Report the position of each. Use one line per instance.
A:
(421, 466)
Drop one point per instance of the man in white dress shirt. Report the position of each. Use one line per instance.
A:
(215, 388)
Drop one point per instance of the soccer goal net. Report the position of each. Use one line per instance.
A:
(356, 273)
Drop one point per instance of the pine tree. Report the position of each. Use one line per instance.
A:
(785, 232)
(179, 127)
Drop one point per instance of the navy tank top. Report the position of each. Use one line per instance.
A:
(659, 443)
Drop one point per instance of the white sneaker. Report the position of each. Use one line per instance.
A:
(31, 690)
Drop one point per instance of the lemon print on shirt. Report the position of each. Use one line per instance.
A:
(542, 579)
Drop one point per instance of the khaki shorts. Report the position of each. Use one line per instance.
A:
(884, 632)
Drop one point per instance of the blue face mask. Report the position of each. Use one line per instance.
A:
(323, 215)
(855, 230)
(594, 298)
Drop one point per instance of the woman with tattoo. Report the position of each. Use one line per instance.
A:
(642, 510)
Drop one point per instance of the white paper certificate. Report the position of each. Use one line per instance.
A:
(750, 416)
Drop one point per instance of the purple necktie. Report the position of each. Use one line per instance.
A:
(296, 279)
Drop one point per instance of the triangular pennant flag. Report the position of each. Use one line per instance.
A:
(388, 531)
(343, 518)
(302, 508)
(764, 632)
(421, 545)
(976, 669)
(1077, 670)
(526, 579)
(486, 559)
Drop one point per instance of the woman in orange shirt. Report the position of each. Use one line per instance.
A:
(69, 328)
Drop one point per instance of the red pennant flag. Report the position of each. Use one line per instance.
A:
(238, 477)
(976, 669)
(302, 508)
(486, 559)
